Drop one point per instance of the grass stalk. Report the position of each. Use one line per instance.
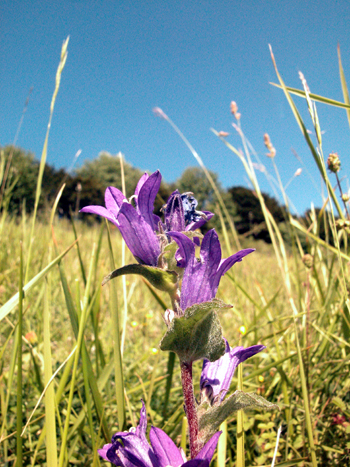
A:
(82, 323)
(44, 154)
(19, 446)
(118, 360)
(50, 420)
(240, 461)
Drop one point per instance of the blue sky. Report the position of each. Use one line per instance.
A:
(188, 57)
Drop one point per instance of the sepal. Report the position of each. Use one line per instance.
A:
(197, 334)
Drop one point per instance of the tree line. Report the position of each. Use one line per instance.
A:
(86, 185)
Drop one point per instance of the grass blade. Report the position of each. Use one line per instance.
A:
(50, 420)
(118, 361)
(13, 302)
(344, 85)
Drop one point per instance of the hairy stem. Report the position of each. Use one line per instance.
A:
(190, 408)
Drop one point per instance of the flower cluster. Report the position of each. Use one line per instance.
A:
(165, 251)
(147, 236)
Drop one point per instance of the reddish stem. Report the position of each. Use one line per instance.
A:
(190, 408)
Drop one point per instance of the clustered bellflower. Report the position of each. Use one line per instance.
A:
(197, 281)
(131, 448)
(136, 224)
(202, 277)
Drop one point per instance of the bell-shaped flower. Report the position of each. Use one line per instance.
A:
(216, 376)
(202, 276)
(129, 449)
(136, 224)
(180, 213)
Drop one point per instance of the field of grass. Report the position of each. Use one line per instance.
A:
(77, 358)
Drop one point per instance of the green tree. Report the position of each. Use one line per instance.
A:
(250, 216)
(106, 169)
(22, 177)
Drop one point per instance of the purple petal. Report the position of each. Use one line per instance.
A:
(208, 449)
(211, 250)
(146, 197)
(140, 183)
(174, 213)
(100, 211)
(165, 450)
(196, 463)
(196, 282)
(129, 455)
(138, 235)
(226, 264)
(186, 247)
(201, 222)
(216, 376)
(142, 426)
(103, 452)
(114, 198)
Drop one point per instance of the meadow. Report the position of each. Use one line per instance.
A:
(77, 358)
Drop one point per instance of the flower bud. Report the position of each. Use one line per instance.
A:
(333, 162)
(345, 197)
(308, 260)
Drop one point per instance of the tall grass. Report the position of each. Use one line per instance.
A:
(76, 359)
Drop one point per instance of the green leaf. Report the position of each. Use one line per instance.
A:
(160, 279)
(197, 334)
(210, 418)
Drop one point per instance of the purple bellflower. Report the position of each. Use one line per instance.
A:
(201, 277)
(216, 376)
(180, 213)
(130, 449)
(137, 225)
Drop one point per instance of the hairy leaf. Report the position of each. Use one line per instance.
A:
(197, 334)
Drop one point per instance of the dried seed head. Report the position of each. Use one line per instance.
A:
(158, 112)
(342, 224)
(308, 260)
(269, 146)
(234, 108)
(333, 162)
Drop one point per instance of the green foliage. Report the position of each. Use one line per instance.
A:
(23, 174)
(193, 179)
(106, 168)
(251, 219)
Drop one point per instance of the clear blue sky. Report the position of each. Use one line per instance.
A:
(188, 57)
